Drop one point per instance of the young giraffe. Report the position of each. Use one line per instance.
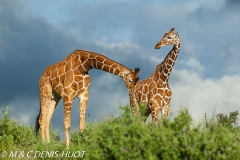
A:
(69, 78)
(154, 92)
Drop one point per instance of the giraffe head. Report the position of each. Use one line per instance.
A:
(170, 38)
(130, 78)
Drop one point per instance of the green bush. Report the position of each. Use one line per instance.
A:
(13, 133)
(230, 120)
(127, 137)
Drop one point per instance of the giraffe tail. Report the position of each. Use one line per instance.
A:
(37, 125)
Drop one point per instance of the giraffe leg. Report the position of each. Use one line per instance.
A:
(51, 108)
(45, 92)
(83, 100)
(155, 112)
(41, 122)
(45, 97)
(83, 105)
(165, 111)
(42, 119)
(67, 118)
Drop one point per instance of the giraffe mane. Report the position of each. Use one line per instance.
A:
(100, 55)
(136, 77)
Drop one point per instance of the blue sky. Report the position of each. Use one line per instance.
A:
(35, 34)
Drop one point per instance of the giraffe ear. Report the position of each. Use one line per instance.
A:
(177, 35)
(136, 71)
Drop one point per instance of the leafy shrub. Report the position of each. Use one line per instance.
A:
(129, 138)
(13, 133)
(228, 120)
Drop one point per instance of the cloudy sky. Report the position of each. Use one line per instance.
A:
(35, 34)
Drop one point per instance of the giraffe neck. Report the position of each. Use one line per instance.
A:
(90, 60)
(164, 69)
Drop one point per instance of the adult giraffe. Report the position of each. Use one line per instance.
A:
(154, 92)
(68, 79)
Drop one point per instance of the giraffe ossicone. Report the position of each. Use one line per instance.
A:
(68, 79)
(154, 92)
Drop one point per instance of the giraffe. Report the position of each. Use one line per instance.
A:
(154, 92)
(68, 79)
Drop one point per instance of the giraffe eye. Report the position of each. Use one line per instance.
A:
(169, 37)
(130, 80)
(127, 73)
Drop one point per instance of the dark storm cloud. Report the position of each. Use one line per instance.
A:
(28, 45)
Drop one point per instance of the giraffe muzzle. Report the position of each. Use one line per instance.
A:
(157, 46)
